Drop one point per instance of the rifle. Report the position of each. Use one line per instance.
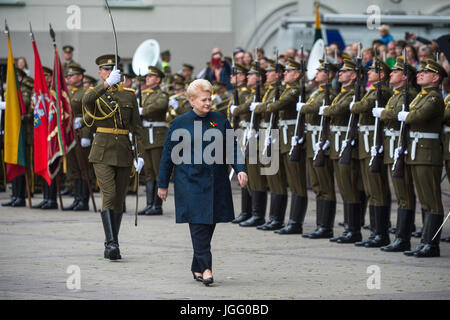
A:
(254, 118)
(398, 167)
(319, 154)
(234, 120)
(377, 161)
(351, 136)
(296, 150)
(273, 122)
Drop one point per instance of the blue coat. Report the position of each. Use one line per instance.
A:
(202, 191)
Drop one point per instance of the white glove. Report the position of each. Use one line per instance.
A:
(326, 145)
(114, 77)
(397, 152)
(373, 151)
(344, 144)
(138, 164)
(267, 141)
(350, 106)
(140, 111)
(322, 109)
(85, 142)
(77, 124)
(173, 103)
(2, 104)
(294, 141)
(402, 115)
(253, 106)
(232, 108)
(377, 112)
(300, 106)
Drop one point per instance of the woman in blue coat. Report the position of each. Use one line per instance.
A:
(196, 149)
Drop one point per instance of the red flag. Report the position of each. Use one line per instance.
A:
(61, 135)
(41, 106)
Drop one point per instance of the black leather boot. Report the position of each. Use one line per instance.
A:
(325, 230)
(246, 206)
(446, 239)
(346, 227)
(51, 198)
(76, 193)
(259, 204)
(402, 241)
(297, 214)
(278, 204)
(354, 224)
(116, 219)
(421, 244)
(363, 199)
(13, 194)
(431, 246)
(418, 232)
(319, 212)
(83, 204)
(371, 228)
(111, 246)
(45, 195)
(21, 190)
(156, 209)
(381, 228)
(149, 190)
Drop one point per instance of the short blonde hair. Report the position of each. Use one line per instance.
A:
(196, 86)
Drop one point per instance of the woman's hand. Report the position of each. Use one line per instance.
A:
(242, 178)
(162, 193)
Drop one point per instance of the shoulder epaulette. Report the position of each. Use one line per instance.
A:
(129, 89)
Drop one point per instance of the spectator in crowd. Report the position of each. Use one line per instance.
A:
(219, 69)
(247, 60)
(23, 65)
(425, 53)
(399, 46)
(385, 36)
(411, 56)
(291, 53)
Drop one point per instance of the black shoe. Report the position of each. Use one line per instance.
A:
(446, 239)
(111, 246)
(65, 192)
(278, 204)
(354, 223)
(271, 226)
(208, 281)
(297, 214)
(156, 210)
(19, 202)
(431, 246)
(242, 217)
(197, 278)
(9, 203)
(325, 230)
(291, 228)
(381, 228)
(404, 224)
(50, 204)
(77, 195)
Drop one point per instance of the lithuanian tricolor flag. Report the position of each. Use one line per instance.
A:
(15, 153)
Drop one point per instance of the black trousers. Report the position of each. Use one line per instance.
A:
(201, 235)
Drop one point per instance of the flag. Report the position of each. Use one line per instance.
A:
(15, 153)
(317, 25)
(61, 135)
(41, 102)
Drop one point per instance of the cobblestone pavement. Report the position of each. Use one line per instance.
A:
(38, 247)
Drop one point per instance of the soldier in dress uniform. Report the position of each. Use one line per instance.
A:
(346, 176)
(257, 183)
(239, 80)
(128, 80)
(114, 113)
(89, 81)
(403, 187)
(155, 103)
(376, 185)
(77, 159)
(321, 179)
(49, 192)
(425, 156)
(178, 102)
(19, 183)
(447, 143)
(68, 57)
(220, 98)
(187, 71)
(277, 182)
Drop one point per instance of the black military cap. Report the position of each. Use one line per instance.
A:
(68, 48)
(107, 61)
(155, 71)
(165, 53)
(178, 77)
(400, 65)
(253, 69)
(240, 68)
(74, 68)
(219, 84)
(434, 66)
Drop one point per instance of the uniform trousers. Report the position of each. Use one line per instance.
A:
(322, 180)
(113, 182)
(152, 159)
(427, 180)
(404, 189)
(201, 235)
